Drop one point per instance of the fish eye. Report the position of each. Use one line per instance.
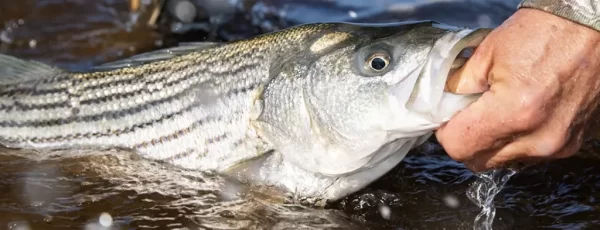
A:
(378, 62)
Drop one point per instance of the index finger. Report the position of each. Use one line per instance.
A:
(482, 126)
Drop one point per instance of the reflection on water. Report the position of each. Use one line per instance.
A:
(134, 192)
(426, 191)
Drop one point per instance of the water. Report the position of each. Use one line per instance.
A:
(483, 191)
(426, 191)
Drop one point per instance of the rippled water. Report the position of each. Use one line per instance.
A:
(426, 191)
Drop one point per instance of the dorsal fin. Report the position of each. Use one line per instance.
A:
(13, 70)
(157, 55)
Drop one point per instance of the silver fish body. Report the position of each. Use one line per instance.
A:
(319, 110)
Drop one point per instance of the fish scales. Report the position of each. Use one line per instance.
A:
(153, 108)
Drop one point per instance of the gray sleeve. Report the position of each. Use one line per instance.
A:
(585, 12)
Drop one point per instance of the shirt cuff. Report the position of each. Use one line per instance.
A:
(584, 12)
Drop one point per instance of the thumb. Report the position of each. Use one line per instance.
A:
(471, 77)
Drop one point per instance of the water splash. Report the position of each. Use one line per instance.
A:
(483, 191)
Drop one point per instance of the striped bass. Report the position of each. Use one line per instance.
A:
(318, 110)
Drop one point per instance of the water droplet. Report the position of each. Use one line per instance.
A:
(385, 211)
(32, 43)
(352, 14)
(37, 203)
(48, 219)
(451, 201)
(484, 21)
(5, 37)
(105, 220)
(18, 225)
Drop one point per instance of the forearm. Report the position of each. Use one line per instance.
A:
(585, 12)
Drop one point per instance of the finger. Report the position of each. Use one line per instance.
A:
(478, 128)
(472, 76)
(519, 162)
(543, 145)
(462, 136)
(513, 152)
(572, 147)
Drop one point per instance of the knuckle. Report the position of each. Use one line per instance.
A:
(532, 151)
(550, 145)
(530, 112)
(572, 147)
(453, 144)
(455, 151)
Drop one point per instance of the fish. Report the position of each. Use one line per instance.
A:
(318, 110)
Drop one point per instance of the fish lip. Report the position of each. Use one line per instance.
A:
(428, 93)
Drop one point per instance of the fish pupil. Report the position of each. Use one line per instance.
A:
(378, 63)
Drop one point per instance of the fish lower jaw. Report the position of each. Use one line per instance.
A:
(430, 96)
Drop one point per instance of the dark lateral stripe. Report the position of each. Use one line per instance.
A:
(165, 68)
(177, 134)
(127, 130)
(137, 77)
(232, 72)
(117, 132)
(89, 118)
(27, 107)
(18, 89)
(112, 97)
(33, 91)
(143, 144)
(180, 155)
(96, 117)
(112, 114)
(68, 78)
(104, 99)
(117, 96)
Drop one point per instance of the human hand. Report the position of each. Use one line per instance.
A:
(540, 74)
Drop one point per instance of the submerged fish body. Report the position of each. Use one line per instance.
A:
(319, 110)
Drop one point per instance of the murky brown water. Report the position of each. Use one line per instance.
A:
(426, 191)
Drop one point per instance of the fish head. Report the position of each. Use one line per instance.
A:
(390, 79)
(365, 94)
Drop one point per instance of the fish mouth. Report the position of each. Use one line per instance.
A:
(448, 54)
